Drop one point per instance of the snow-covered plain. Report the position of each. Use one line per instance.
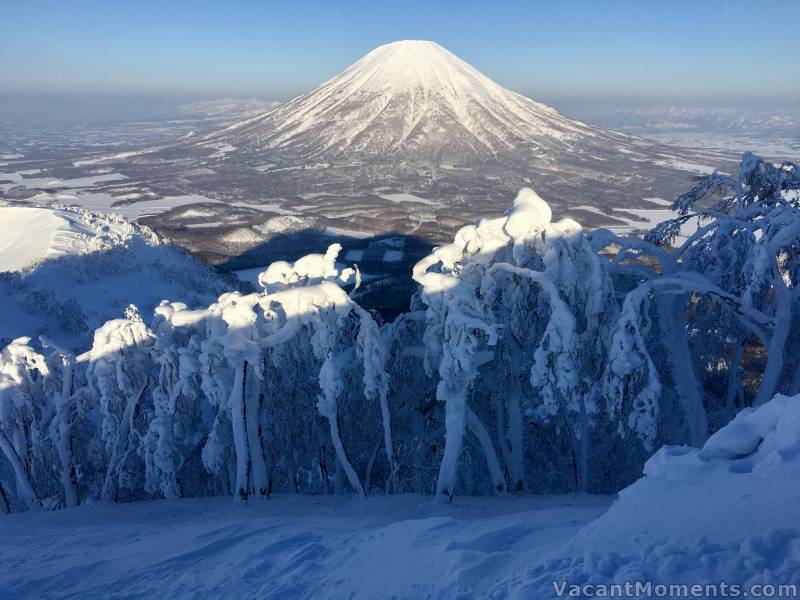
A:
(82, 192)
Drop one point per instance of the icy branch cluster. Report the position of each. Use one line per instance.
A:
(536, 357)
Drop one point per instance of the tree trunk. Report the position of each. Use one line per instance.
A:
(734, 379)
(370, 466)
(24, 484)
(109, 492)
(344, 462)
(388, 443)
(777, 343)
(240, 442)
(4, 496)
(258, 464)
(515, 439)
(64, 436)
(455, 419)
(495, 470)
(672, 326)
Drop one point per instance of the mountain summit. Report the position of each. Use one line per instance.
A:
(414, 99)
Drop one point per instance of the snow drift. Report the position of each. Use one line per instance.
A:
(729, 511)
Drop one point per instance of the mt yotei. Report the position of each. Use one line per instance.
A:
(414, 101)
(411, 140)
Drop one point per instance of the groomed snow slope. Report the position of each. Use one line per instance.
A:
(65, 271)
(288, 547)
(730, 511)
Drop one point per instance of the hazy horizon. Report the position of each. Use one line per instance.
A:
(113, 108)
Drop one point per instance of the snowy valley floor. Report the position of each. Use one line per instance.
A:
(287, 547)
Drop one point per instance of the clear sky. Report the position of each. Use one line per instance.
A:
(274, 50)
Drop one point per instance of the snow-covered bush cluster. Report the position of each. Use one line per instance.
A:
(536, 357)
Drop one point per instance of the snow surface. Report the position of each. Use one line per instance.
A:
(286, 547)
(226, 108)
(393, 256)
(77, 191)
(108, 204)
(38, 183)
(30, 235)
(683, 165)
(727, 512)
(284, 224)
(647, 218)
(403, 197)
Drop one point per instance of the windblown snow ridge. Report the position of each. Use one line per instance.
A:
(64, 271)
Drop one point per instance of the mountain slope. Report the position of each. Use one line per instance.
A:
(64, 272)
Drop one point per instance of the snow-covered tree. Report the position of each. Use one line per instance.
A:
(746, 244)
(181, 412)
(527, 303)
(120, 376)
(23, 410)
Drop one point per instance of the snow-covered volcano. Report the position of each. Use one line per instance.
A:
(413, 99)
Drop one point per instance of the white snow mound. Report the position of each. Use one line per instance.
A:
(756, 440)
(727, 512)
(30, 235)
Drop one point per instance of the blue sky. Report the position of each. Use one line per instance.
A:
(274, 50)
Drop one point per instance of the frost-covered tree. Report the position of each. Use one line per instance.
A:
(415, 412)
(305, 305)
(120, 376)
(746, 244)
(304, 328)
(181, 412)
(60, 387)
(23, 410)
(518, 312)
